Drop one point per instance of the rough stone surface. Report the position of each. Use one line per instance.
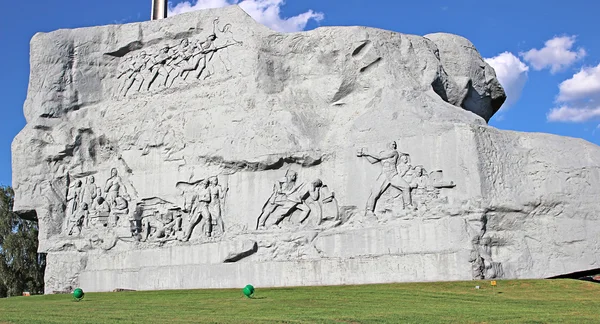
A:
(205, 150)
(472, 83)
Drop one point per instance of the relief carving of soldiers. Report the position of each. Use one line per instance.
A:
(74, 197)
(419, 179)
(78, 220)
(160, 67)
(114, 188)
(217, 194)
(100, 206)
(198, 208)
(203, 53)
(89, 191)
(136, 71)
(189, 57)
(164, 226)
(393, 168)
(397, 172)
(287, 197)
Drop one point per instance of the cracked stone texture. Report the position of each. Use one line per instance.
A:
(524, 205)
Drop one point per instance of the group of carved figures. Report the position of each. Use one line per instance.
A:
(291, 201)
(89, 205)
(158, 220)
(291, 197)
(204, 203)
(188, 59)
(397, 172)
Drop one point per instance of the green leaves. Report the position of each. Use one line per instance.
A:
(21, 267)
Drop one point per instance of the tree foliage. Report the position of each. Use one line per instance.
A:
(21, 267)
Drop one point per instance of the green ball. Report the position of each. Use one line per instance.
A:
(248, 291)
(78, 293)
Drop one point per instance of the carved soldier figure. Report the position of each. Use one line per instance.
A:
(286, 197)
(419, 177)
(100, 211)
(89, 192)
(137, 67)
(125, 70)
(74, 198)
(79, 220)
(404, 166)
(100, 205)
(114, 187)
(206, 51)
(119, 208)
(217, 194)
(314, 193)
(160, 67)
(199, 210)
(182, 53)
(164, 225)
(135, 221)
(389, 176)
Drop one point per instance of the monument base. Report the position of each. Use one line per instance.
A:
(407, 251)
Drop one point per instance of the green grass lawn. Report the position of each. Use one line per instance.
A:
(515, 301)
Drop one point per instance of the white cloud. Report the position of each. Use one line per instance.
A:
(573, 114)
(266, 12)
(188, 6)
(512, 74)
(556, 54)
(579, 97)
(584, 84)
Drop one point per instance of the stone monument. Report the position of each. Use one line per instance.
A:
(208, 151)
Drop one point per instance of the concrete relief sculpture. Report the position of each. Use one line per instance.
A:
(298, 203)
(215, 206)
(153, 219)
(189, 60)
(89, 206)
(156, 220)
(399, 177)
(204, 203)
(393, 167)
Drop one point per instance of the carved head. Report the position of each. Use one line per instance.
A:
(213, 180)
(84, 206)
(211, 37)
(291, 175)
(404, 158)
(78, 183)
(100, 200)
(393, 145)
(204, 184)
(91, 179)
(184, 42)
(317, 183)
(113, 172)
(418, 171)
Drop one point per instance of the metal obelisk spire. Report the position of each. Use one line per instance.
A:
(159, 9)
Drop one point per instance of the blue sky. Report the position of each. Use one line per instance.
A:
(546, 53)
